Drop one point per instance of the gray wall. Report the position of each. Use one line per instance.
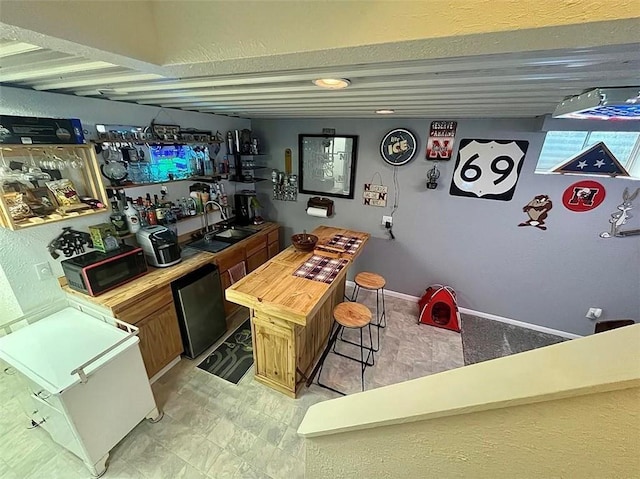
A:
(549, 278)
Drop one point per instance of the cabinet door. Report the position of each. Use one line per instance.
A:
(229, 258)
(160, 340)
(225, 282)
(274, 353)
(257, 259)
(273, 237)
(274, 249)
(255, 243)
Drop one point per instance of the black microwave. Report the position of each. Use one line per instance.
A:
(95, 272)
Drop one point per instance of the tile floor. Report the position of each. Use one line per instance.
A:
(214, 429)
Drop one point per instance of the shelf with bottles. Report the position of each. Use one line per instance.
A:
(41, 184)
(246, 167)
(250, 180)
(205, 179)
(128, 167)
(131, 215)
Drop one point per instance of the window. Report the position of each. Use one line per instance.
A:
(559, 146)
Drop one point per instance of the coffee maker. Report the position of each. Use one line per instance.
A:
(245, 202)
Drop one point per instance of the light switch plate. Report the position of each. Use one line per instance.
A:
(387, 219)
(43, 270)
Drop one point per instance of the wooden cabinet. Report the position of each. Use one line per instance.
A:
(257, 259)
(274, 249)
(255, 244)
(274, 348)
(229, 258)
(273, 242)
(255, 252)
(160, 339)
(225, 282)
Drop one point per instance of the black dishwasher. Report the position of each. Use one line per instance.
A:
(198, 300)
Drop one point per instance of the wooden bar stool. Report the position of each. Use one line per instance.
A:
(372, 281)
(353, 316)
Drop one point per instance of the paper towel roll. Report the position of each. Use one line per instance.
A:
(319, 212)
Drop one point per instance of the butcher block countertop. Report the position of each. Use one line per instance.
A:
(274, 290)
(122, 297)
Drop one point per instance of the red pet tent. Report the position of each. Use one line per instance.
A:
(438, 308)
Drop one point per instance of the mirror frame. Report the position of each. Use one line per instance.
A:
(352, 178)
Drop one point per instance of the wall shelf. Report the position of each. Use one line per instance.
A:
(249, 167)
(151, 183)
(55, 217)
(87, 180)
(253, 180)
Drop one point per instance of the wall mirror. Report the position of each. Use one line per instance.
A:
(327, 164)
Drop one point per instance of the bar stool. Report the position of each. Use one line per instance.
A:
(372, 281)
(353, 316)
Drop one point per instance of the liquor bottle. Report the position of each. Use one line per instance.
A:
(161, 209)
(152, 217)
(131, 216)
(118, 219)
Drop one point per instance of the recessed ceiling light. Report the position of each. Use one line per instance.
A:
(332, 83)
(385, 112)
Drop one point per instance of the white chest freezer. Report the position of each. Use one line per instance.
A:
(85, 377)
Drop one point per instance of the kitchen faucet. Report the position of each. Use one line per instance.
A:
(206, 213)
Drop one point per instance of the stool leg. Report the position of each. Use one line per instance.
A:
(354, 296)
(356, 290)
(320, 365)
(363, 364)
(383, 324)
(371, 351)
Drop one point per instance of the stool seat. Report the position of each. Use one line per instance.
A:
(368, 280)
(352, 315)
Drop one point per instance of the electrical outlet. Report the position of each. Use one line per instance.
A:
(387, 219)
(43, 270)
(593, 313)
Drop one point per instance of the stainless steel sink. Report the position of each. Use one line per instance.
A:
(210, 245)
(233, 235)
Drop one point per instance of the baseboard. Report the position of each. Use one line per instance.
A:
(522, 324)
(493, 317)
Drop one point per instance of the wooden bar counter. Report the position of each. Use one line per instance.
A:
(291, 317)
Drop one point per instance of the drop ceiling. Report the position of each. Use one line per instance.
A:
(505, 85)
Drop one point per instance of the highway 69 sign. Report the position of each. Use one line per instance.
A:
(488, 168)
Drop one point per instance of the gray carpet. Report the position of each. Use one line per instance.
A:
(484, 339)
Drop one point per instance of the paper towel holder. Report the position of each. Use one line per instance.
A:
(321, 203)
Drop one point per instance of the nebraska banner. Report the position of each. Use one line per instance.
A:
(374, 195)
(440, 143)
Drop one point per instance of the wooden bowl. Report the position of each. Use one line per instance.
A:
(304, 242)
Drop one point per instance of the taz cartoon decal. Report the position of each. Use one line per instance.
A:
(538, 210)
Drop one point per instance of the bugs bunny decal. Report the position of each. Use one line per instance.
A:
(620, 218)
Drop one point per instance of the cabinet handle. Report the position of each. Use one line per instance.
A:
(36, 424)
(43, 394)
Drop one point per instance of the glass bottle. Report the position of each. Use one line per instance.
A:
(152, 217)
(118, 219)
(131, 216)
